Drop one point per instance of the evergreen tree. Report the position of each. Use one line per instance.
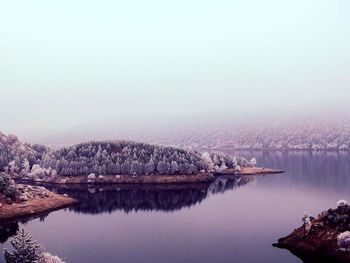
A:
(26, 250)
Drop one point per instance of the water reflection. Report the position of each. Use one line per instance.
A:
(200, 222)
(9, 228)
(321, 170)
(108, 198)
(127, 198)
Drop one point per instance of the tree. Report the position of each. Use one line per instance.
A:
(208, 162)
(26, 167)
(26, 250)
(174, 167)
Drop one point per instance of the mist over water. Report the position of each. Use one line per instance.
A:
(68, 63)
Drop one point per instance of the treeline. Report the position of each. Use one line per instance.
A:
(131, 158)
(109, 158)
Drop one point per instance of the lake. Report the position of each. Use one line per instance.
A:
(231, 220)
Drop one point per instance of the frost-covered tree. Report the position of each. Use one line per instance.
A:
(26, 250)
(26, 167)
(107, 158)
(128, 158)
(208, 162)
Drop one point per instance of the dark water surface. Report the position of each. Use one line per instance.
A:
(227, 221)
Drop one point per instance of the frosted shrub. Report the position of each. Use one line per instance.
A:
(344, 241)
(37, 173)
(207, 161)
(306, 219)
(7, 186)
(48, 258)
(253, 162)
(342, 203)
(92, 176)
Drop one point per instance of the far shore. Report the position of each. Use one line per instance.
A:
(250, 171)
(129, 179)
(156, 179)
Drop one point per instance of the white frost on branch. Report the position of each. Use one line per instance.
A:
(343, 241)
(342, 203)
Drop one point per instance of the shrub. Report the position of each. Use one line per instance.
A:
(7, 186)
(306, 219)
(344, 241)
(48, 258)
(342, 203)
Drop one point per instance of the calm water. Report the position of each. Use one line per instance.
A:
(228, 221)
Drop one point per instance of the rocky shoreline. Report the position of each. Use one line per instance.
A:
(325, 238)
(151, 179)
(32, 200)
(129, 179)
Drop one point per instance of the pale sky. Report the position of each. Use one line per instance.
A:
(66, 62)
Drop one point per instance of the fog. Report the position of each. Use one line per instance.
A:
(66, 63)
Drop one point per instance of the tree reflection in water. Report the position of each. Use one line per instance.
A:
(108, 198)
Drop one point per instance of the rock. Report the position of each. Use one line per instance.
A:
(320, 238)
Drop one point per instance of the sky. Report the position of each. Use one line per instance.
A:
(67, 62)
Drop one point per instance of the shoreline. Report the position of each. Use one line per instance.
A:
(127, 179)
(250, 171)
(42, 201)
(274, 149)
(317, 239)
(154, 179)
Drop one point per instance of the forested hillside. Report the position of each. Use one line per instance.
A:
(131, 158)
(109, 158)
(302, 131)
(18, 157)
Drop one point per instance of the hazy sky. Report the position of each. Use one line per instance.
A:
(66, 62)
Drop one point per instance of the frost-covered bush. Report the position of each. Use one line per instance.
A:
(306, 219)
(48, 258)
(7, 186)
(342, 203)
(208, 162)
(38, 173)
(253, 162)
(343, 240)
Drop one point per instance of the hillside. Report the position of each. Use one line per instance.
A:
(110, 158)
(214, 131)
(17, 157)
